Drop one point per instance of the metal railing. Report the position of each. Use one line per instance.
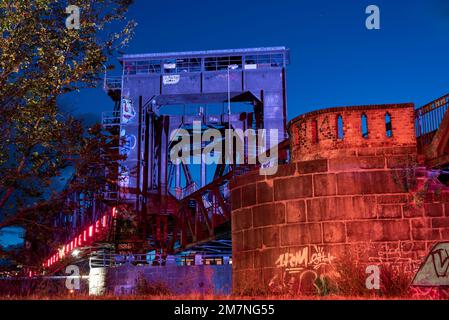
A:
(218, 61)
(428, 119)
(187, 191)
(111, 195)
(112, 83)
(111, 260)
(110, 118)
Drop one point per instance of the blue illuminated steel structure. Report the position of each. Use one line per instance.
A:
(173, 207)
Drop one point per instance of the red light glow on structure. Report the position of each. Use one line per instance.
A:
(85, 238)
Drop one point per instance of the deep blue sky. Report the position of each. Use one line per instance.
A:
(335, 60)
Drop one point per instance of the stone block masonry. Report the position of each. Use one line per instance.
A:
(340, 134)
(346, 193)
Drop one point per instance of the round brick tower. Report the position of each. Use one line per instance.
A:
(354, 190)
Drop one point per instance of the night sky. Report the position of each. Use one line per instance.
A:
(335, 60)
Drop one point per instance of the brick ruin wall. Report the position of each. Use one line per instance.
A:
(368, 199)
(323, 125)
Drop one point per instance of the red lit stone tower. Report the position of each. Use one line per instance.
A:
(355, 190)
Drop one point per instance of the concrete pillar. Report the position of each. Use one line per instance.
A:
(97, 281)
(198, 260)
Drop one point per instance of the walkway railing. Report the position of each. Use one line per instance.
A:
(110, 118)
(428, 119)
(102, 260)
(112, 83)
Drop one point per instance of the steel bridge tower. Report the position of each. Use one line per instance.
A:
(160, 93)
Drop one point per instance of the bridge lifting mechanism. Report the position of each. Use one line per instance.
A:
(160, 207)
(180, 207)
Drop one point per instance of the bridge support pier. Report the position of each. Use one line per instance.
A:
(97, 281)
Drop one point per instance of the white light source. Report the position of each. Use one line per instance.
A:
(61, 253)
(76, 253)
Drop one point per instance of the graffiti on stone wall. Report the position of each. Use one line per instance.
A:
(304, 259)
(440, 259)
(396, 256)
(430, 293)
(435, 270)
(326, 130)
(300, 271)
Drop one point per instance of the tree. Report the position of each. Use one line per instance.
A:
(41, 59)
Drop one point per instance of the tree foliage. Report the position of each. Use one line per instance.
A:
(41, 59)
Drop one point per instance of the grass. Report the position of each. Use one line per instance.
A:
(200, 297)
(346, 282)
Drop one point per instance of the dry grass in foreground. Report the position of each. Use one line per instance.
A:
(200, 297)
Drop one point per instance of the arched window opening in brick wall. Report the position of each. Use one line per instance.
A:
(340, 129)
(314, 131)
(388, 125)
(365, 132)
